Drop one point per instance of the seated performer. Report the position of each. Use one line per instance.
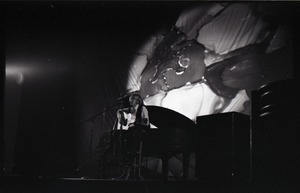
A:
(134, 116)
(135, 120)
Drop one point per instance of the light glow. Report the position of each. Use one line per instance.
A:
(17, 73)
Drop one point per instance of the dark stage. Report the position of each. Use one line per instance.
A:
(218, 80)
(44, 185)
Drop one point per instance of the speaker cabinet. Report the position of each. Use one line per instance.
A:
(275, 123)
(223, 146)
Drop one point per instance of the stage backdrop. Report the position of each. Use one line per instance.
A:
(69, 64)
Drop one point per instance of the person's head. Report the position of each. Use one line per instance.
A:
(135, 99)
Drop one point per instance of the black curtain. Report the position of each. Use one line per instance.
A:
(68, 64)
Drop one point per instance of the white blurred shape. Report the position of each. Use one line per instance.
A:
(189, 100)
(16, 73)
(197, 100)
(140, 62)
(235, 28)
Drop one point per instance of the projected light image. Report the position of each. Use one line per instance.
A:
(212, 59)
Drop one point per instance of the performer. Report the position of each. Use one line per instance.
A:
(135, 120)
(134, 116)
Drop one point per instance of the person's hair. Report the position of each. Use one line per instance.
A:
(138, 97)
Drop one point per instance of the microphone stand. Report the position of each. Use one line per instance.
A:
(91, 137)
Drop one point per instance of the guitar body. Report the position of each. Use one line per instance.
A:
(125, 120)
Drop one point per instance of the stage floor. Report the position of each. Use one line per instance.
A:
(19, 184)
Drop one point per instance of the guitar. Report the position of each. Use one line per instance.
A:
(126, 119)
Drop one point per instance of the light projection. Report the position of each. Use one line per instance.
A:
(213, 57)
(16, 74)
(18, 71)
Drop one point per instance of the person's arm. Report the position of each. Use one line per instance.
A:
(144, 117)
(121, 117)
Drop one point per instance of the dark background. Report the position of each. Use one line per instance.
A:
(74, 58)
